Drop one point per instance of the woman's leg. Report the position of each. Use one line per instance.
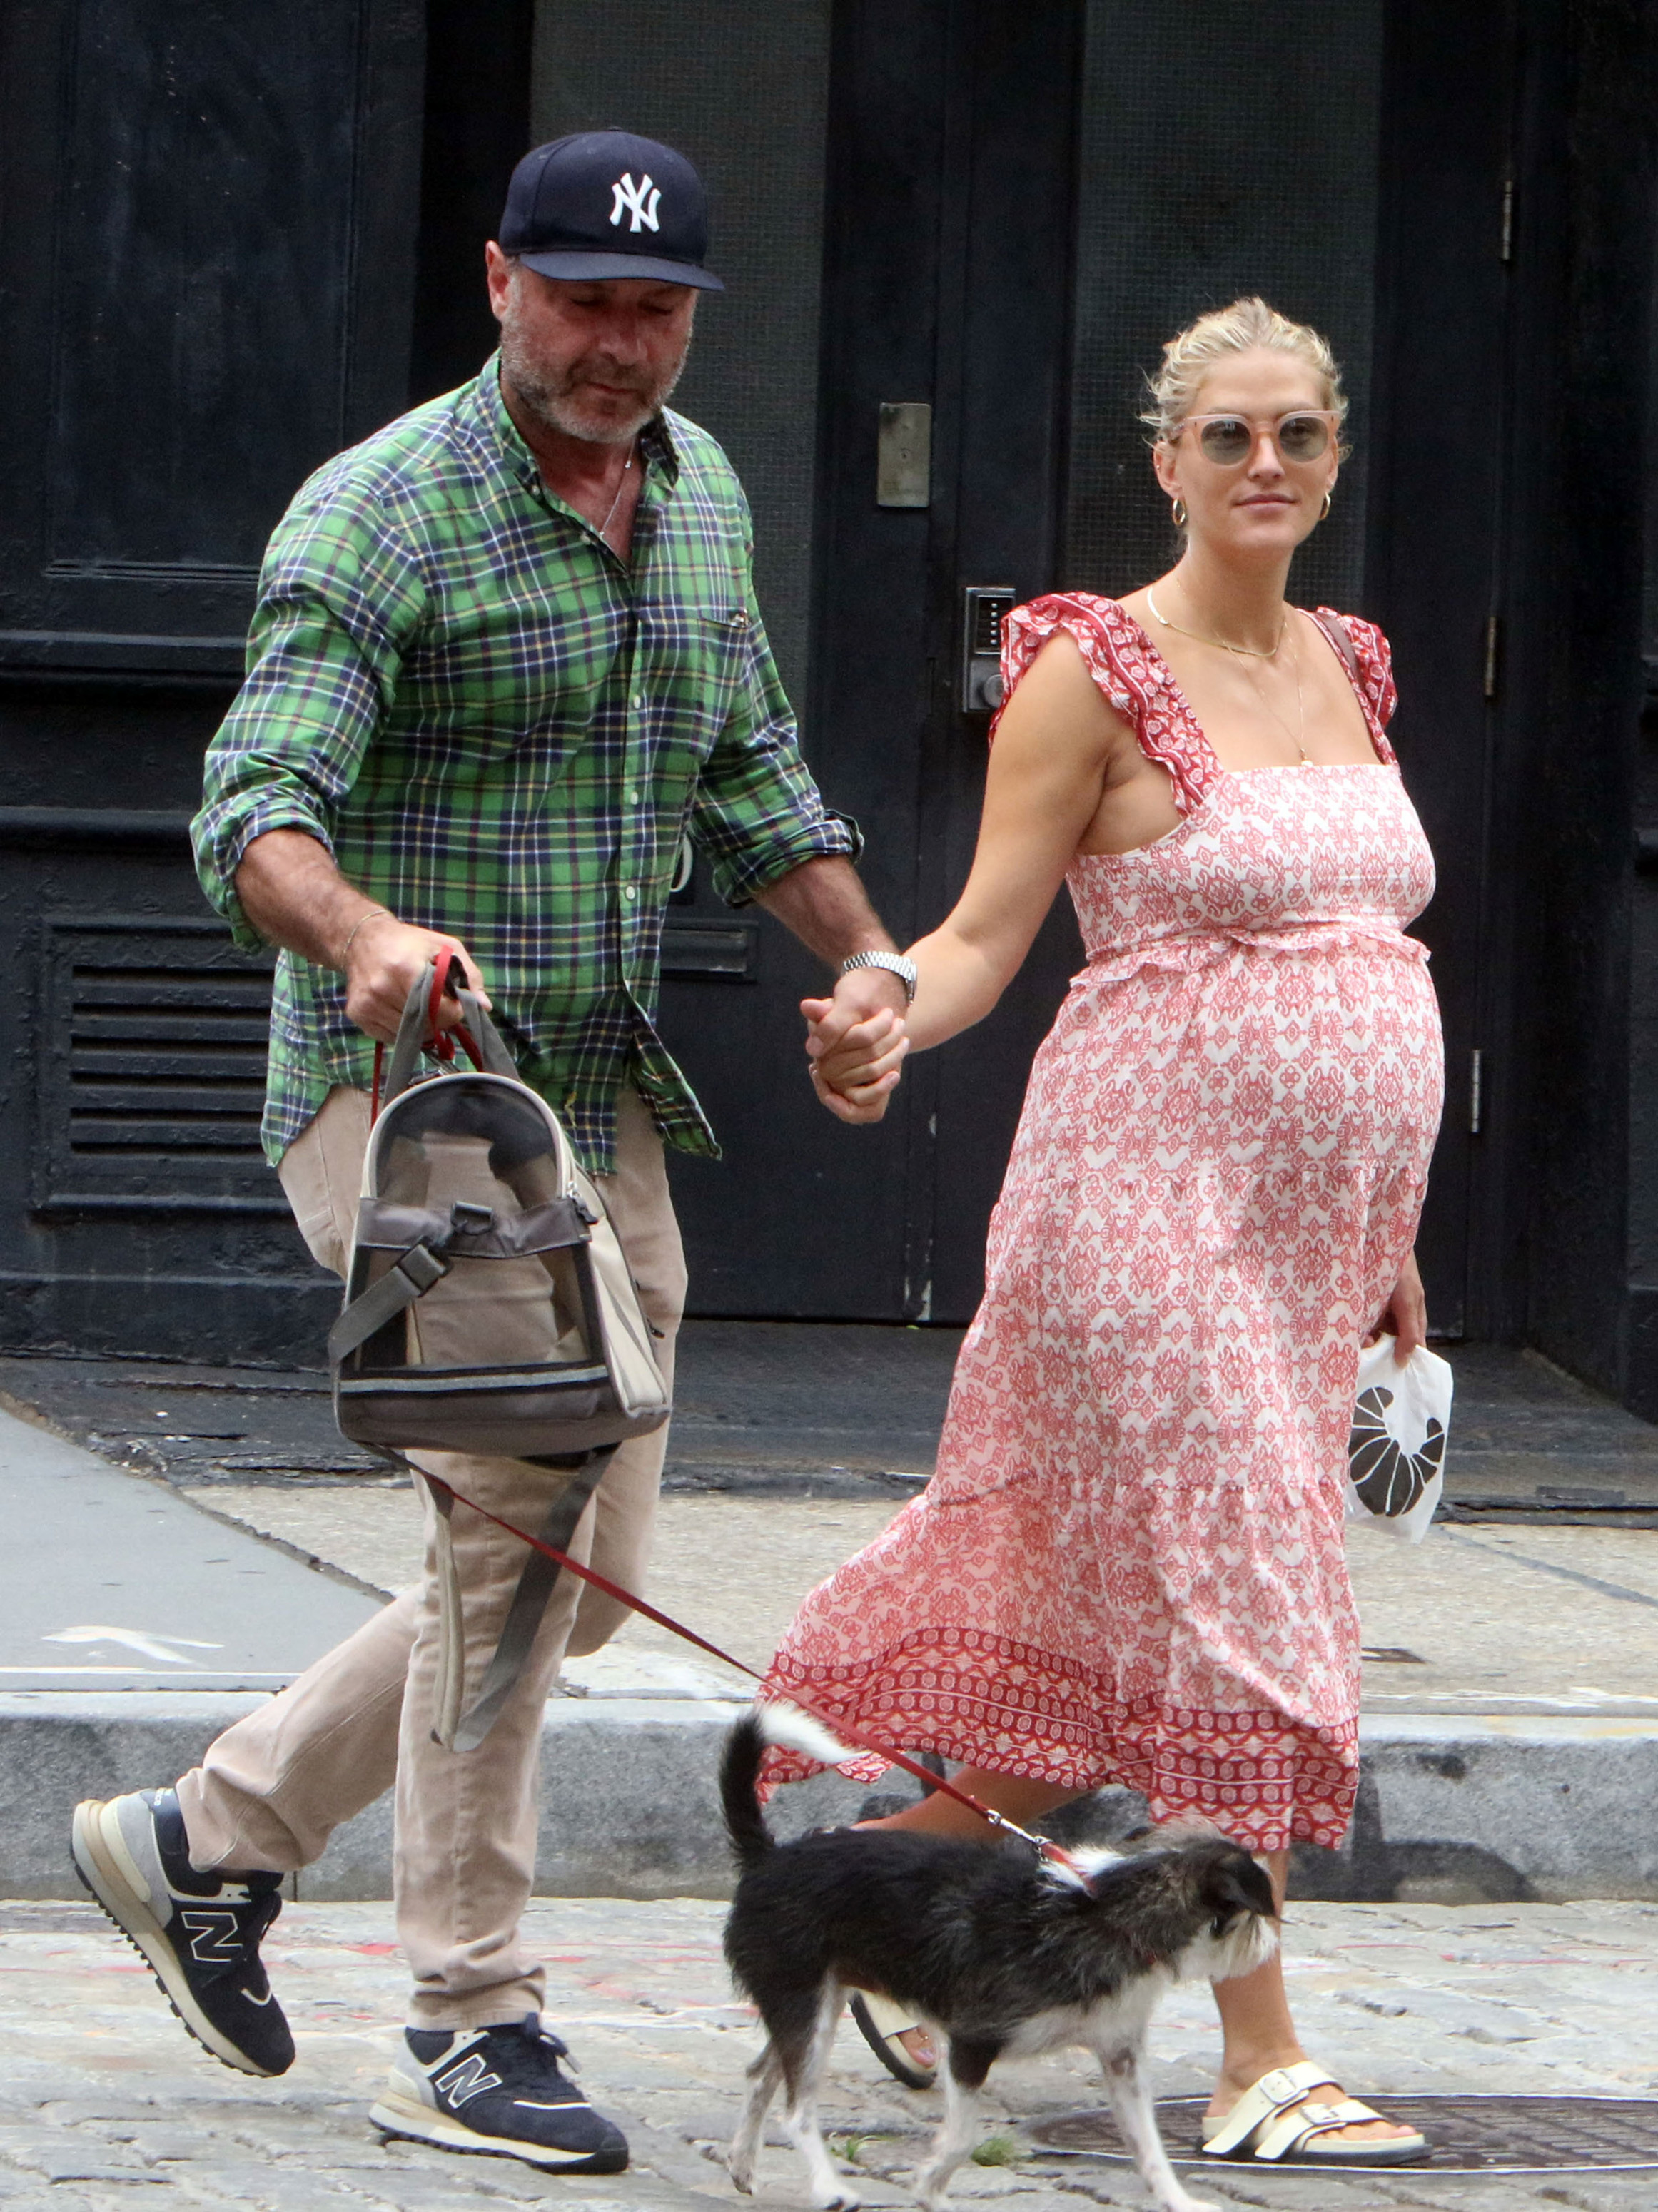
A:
(1020, 1799)
(1254, 2008)
(1015, 1795)
(1259, 2034)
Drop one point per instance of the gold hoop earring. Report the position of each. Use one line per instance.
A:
(1179, 511)
(1324, 513)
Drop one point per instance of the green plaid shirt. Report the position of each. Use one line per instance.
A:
(501, 730)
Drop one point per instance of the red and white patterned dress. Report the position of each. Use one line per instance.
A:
(1129, 1565)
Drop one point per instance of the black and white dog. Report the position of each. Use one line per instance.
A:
(996, 1952)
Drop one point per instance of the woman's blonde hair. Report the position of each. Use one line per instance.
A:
(1189, 356)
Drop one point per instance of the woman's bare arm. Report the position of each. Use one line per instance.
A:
(1058, 748)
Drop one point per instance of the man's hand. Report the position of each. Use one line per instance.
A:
(386, 960)
(856, 1044)
(1406, 1314)
(822, 902)
(295, 895)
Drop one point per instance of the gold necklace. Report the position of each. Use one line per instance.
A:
(1225, 644)
(1253, 652)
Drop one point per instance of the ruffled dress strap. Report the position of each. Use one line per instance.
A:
(1370, 671)
(1131, 674)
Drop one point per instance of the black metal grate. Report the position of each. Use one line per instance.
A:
(165, 1059)
(1180, 182)
(150, 1073)
(1468, 2135)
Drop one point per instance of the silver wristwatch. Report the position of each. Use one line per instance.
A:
(895, 963)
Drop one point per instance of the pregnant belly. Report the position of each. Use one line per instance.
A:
(1256, 1055)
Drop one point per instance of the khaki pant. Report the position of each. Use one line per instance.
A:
(271, 1790)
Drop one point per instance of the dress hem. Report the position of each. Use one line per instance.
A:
(1257, 1775)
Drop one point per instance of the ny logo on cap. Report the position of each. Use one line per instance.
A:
(631, 200)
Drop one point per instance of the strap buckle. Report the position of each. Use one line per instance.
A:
(1280, 2087)
(422, 1267)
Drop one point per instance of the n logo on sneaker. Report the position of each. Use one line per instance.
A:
(470, 2079)
(215, 1937)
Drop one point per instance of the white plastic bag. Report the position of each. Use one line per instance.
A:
(1396, 1453)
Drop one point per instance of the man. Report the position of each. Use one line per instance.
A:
(505, 652)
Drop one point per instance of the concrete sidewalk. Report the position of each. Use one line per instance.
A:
(115, 1584)
(105, 2104)
(1511, 1693)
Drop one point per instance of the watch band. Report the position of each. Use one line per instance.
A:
(895, 963)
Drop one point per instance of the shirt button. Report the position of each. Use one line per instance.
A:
(633, 798)
(629, 893)
(638, 698)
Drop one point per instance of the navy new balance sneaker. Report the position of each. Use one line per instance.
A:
(200, 1932)
(496, 2089)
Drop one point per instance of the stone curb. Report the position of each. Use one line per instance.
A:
(1451, 1808)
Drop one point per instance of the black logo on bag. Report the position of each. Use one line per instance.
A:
(1389, 1479)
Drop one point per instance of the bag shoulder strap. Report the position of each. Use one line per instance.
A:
(410, 1277)
(459, 1731)
(1335, 629)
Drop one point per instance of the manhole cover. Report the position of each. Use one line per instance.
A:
(1469, 2135)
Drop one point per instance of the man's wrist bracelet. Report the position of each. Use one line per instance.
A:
(372, 915)
(895, 963)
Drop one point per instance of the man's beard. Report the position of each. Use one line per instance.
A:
(555, 396)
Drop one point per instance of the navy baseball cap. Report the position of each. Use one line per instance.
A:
(605, 203)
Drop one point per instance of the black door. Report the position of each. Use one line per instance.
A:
(1435, 575)
(945, 319)
(206, 253)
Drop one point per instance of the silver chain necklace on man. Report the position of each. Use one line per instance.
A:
(621, 486)
(1247, 653)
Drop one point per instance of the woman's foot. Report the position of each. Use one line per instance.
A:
(1326, 2090)
(1277, 2101)
(902, 2045)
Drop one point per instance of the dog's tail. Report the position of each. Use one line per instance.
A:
(740, 1770)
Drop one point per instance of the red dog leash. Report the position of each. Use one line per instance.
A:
(441, 1047)
(1040, 1844)
(443, 1043)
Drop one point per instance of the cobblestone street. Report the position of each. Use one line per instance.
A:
(106, 2105)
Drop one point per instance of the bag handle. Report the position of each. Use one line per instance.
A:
(418, 1032)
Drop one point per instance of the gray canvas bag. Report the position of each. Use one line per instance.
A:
(489, 1309)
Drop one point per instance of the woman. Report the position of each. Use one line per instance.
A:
(1129, 1565)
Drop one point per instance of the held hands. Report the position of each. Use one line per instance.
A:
(855, 1043)
(383, 961)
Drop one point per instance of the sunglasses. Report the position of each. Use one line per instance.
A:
(1229, 440)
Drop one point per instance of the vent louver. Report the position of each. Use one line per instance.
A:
(165, 1059)
(153, 1071)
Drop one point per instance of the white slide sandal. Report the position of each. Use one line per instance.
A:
(1273, 2124)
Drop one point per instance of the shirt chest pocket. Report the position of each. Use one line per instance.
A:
(693, 666)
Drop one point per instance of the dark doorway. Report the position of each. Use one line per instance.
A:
(206, 256)
(1435, 560)
(946, 298)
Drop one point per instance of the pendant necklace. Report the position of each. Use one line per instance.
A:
(1295, 735)
(1248, 652)
(621, 486)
